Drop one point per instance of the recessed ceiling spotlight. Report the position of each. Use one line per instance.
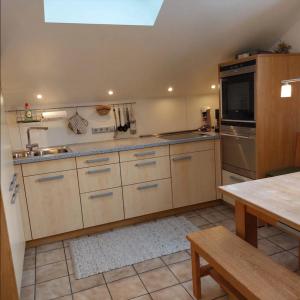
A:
(39, 96)
(213, 86)
(110, 92)
(170, 89)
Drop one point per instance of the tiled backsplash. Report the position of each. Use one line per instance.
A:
(152, 115)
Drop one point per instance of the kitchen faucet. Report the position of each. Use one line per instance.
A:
(30, 146)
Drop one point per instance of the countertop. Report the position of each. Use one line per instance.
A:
(114, 146)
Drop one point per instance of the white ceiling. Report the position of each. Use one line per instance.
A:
(78, 63)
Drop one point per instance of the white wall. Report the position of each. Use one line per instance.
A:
(152, 115)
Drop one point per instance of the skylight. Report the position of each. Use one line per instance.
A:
(108, 12)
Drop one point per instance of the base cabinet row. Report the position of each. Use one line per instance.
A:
(86, 196)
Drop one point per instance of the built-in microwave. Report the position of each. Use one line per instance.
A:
(238, 92)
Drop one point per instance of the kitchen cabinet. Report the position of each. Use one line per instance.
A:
(145, 170)
(193, 178)
(23, 203)
(98, 178)
(53, 203)
(102, 207)
(146, 198)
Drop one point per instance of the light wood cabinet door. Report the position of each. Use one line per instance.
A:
(102, 207)
(191, 147)
(53, 203)
(99, 178)
(145, 170)
(97, 160)
(23, 203)
(193, 178)
(146, 198)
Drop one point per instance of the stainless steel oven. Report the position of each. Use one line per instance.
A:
(239, 150)
(238, 92)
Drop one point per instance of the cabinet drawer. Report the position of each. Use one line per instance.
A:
(144, 153)
(99, 178)
(191, 147)
(53, 203)
(48, 166)
(147, 198)
(102, 207)
(145, 170)
(97, 160)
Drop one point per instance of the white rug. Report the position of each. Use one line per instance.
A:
(126, 246)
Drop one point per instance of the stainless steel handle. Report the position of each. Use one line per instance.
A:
(144, 153)
(98, 171)
(182, 158)
(236, 178)
(49, 178)
(101, 195)
(238, 136)
(102, 159)
(288, 229)
(147, 163)
(14, 196)
(149, 186)
(13, 182)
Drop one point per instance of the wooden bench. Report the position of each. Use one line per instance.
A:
(241, 270)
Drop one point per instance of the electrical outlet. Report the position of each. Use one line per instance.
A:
(103, 129)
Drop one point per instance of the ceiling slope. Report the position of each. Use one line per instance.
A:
(73, 63)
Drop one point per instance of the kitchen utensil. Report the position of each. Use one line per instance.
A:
(124, 123)
(132, 121)
(78, 124)
(116, 122)
(103, 110)
(127, 117)
(119, 115)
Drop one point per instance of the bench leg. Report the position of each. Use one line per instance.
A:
(196, 273)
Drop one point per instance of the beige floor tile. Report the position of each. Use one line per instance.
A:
(215, 217)
(145, 297)
(28, 277)
(207, 226)
(53, 289)
(172, 293)
(27, 293)
(158, 279)
(229, 224)
(30, 251)
(267, 247)
(205, 211)
(50, 257)
(210, 289)
(51, 271)
(175, 257)
(86, 283)
(118, 274)
(189, 214)
(224, 207)
(149, 265)
(29, 262)
(48, 247)
(182, 270)
(295, 251)
(67, 253)
(197, 220)
(96, 293)
(69, 297)
(127, 288)
(229, 212)
(286, 259)
(70, 266)
(284, 241)
(268, 231)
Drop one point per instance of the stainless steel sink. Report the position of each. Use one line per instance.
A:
(40, 152)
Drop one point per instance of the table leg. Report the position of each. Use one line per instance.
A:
(196, 273)
(246, 224)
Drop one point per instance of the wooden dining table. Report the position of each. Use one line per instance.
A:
(274, 200)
